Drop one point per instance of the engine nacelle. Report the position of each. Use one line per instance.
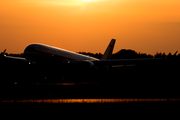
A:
(91, 64)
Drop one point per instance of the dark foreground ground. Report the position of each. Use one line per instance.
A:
(151, 90)
(155, 80)
(85, 91)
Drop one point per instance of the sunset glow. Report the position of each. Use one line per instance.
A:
(88, 25)
(66, 2)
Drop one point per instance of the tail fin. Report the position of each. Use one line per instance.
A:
(109, 50)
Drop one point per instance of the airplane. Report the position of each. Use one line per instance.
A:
(40, 53)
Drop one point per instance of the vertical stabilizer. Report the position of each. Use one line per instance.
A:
(109, 50)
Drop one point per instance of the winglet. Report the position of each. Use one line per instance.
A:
(175, 53)
(109, 50)
(4, 53)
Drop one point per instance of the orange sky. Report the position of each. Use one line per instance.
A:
(147, 26)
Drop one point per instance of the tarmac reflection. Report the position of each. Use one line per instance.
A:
(87, 100)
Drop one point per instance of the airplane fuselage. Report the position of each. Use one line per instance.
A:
(35, 51)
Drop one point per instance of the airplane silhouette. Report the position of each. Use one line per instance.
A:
(40, 53)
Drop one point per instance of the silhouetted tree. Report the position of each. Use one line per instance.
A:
(125, 54)
(164, 55)
(169, 55)
(97, 55)
(13, 54)
(129, 54)
(158, 55)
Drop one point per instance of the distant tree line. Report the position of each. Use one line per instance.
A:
(121, 54)
(131, 54)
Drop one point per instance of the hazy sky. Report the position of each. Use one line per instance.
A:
(147, 26)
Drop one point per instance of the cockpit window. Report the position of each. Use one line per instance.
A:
(29, 49)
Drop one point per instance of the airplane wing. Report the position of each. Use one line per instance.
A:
(106, 61)
(112, 62)
(12, 58)
(16, 58)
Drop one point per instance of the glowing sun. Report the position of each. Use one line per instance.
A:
(86, 0)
